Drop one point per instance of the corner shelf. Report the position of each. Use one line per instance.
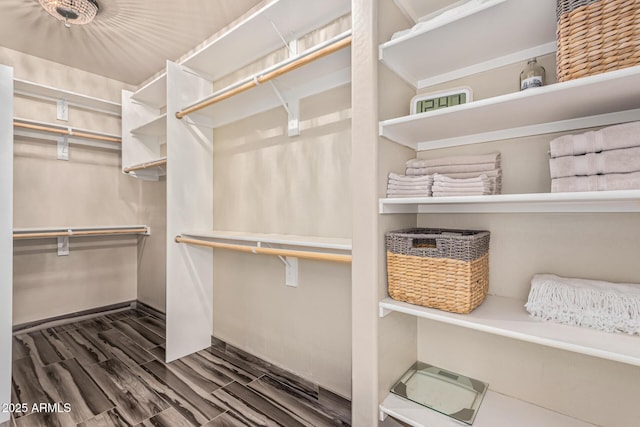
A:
(261, 33)
(36, 90)
(496, 410)
(598, 100)
(588, 201)
(421, 59)
(507, 317)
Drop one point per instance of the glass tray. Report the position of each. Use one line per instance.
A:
(454, 395)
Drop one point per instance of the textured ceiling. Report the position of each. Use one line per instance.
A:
(129, 40)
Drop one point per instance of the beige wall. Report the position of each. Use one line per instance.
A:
(267, 182)
(87, 190)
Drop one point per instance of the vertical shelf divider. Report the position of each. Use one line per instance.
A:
(189, 205)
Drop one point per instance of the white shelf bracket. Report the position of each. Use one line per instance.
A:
(63, 147)
(291, 270)
(292, 105)
(292, 45)
(63, 246)
(384, 312)
(383, 415)
(62, 110)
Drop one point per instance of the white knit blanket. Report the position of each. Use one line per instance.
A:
(606, 306)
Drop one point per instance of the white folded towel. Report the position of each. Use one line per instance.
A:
(443, 179)
(449, 169)
(612, 161)
(455, 160)
(411, 179)
(608, 182)
(407, 187)
(606, 306)
(413, 193)
(626, 135)
(459, 193)
(490, 173)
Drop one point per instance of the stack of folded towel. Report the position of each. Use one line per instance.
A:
(409, 186)
(460, 175)
(445, 186)
(606, 159)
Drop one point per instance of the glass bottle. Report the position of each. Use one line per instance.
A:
(533, 75)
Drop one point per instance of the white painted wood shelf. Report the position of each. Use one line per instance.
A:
(155, 127)
(422, 59)
(597, 100)
(262, 32)
(323, 74)
(280, 241)
(496, 410)
(36, 90)
(507, 317)
(153, 93)
(588, 201)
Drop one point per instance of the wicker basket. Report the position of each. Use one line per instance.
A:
(596, 36)
(438, 268)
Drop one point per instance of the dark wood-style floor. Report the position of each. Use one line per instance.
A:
(110, 371)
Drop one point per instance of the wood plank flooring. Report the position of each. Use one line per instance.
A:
(110, 371)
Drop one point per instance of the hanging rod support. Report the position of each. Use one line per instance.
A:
(292, 106)
(293, 46)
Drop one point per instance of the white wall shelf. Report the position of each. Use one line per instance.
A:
(588, 201)
(155, 127)
(262, 33)
(487, 36)
(316, 77)
(36, 90)
(153, 93)
(507, 317)
(496, 410)
(597, 100)
(283, 241)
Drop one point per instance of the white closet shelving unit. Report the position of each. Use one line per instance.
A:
(181, 148)
(48, 93)
(65, 99)
(144, 131)
(598, 100)
(277, 22)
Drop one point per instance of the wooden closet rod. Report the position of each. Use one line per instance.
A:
(319, 256)
(290, 66)
(146, 165)
(71, 233)
(69, 132)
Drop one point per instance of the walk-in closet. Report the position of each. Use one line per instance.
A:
(319, 213)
